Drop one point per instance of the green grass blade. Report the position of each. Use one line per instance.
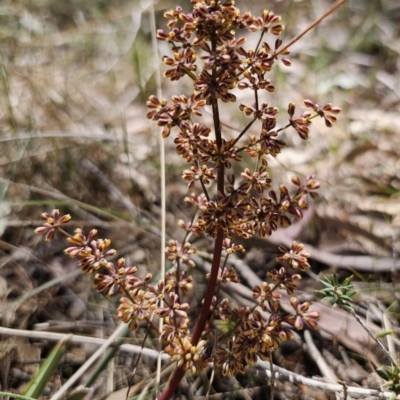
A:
(39, 381)
(15, 396)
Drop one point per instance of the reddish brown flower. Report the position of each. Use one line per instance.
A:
(176, 253)
(53, 222)
(296, 257)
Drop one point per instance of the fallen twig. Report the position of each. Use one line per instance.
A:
(284, 375)
(52, 336)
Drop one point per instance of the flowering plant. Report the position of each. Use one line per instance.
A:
(229, 200)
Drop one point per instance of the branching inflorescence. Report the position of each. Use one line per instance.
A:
(227, 204)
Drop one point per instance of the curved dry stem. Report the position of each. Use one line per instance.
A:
(334, 7)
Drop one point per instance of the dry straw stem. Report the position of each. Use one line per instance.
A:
(387, 324)
(163, 185)
(361, 263)
(241, 393)
(312, 349)
(316, 355)
(61, 197)
(378, 342)
(78, 339)
(79, 373)
(333, 8)
(283, 374)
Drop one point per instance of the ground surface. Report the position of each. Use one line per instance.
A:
(75, 77)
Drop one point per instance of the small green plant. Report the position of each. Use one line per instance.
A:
(340, 294)
(391, 375)
(229, 200)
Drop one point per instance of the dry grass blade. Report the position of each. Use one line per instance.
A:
(319, 359)
(88, 364)
(162, 181)
(53, 336)
(285, 375)
(328, 12)
(361, 263)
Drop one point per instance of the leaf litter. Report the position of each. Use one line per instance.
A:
(74, 79)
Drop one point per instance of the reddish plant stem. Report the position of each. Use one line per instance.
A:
(217, 122)
(201, 322)
(172, 384)
(212, 282)
(218, 137)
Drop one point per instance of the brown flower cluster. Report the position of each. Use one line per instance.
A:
(258, 331)
(53, 222)
(207, 51)
(254, 335)
(229, 200)
(139, 297)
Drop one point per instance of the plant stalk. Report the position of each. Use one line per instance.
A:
(201, 322)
